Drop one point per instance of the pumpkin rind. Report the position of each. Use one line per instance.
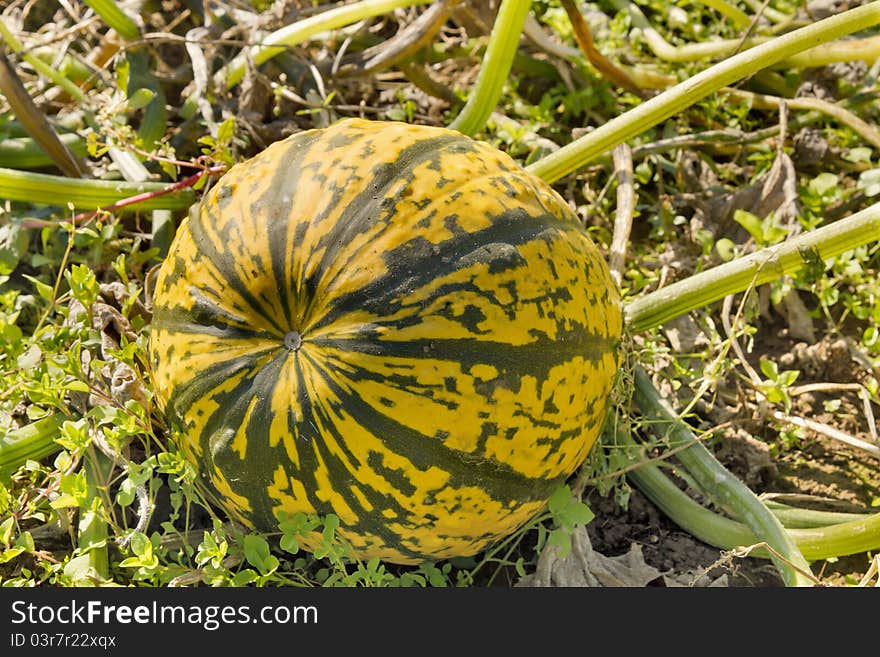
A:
(393, 323)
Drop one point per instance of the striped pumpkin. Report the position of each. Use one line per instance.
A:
(392, 323)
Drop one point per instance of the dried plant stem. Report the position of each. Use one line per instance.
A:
(601, 63)
(828, 431)
(763, 101)
(626, 206)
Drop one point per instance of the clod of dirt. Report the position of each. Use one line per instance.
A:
(748, 458)
(819, 9)
(684, 335)
(811, 150)
(823, 361)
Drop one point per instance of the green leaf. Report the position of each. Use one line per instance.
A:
(561, 540)
(869, 182)
(825, 182)
(45, 291)
(244, 577)
(14, 240)
(141, 98)
(726, 249)
(258, 554)
(123, 68)
(226, 131)
(751, 223)
(770, 369)
(126, 493)
(857, 154)
(289, 543)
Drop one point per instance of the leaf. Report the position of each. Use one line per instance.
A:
(258, 554)
(561, 540)
(289, 543)
(857, 154)
(141, 98)
(751, 223)
(825, 182)
(13, 246)
(125, 494)
(770, 369)
(869, 182)
(244, 577)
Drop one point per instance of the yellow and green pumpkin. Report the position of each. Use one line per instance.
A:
(392, 323)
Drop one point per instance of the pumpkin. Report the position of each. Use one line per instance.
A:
(395, 324)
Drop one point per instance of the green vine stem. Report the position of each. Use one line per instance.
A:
(45, 189)
(734, 14)
(25, 153)
(495, 67)
(806, 250)
(828, 542)
(575, 155)
(295, 33)
(92, 527)
(111, 14)
(724, 488)
(31, 442)
(796, 518)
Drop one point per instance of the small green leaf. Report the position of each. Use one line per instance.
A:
(244, 577)
(726, 249)
(770, 369)
(141, 98)
(226, 131)
(45, 291)
(857, 154)
(126, 493)
(869, 182)
(289, 543)
(825, 183)
(258, 554)
(561, 540)
(751, 223)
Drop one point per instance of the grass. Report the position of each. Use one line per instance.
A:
(92, 489)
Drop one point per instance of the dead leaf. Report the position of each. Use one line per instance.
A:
(583, 566)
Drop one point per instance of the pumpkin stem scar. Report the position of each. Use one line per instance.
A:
(293, 340)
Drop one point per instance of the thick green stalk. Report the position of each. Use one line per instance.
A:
(575, 155)
(111, 14)
(724, 488)
(852, 537)
(44, 189)
(35, 121)
(495, 67)
(31, 442)
(296, 33)
(768, 264)
(25, 153)
(92, 527)
(795, 518)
